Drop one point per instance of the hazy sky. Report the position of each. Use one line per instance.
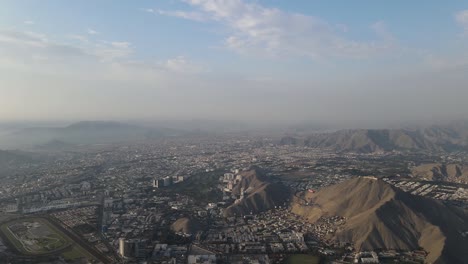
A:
(234, 60)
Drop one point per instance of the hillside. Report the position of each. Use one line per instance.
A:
(370, 140)
(450, 137)
(442, 172)
(453, 136)
(260, 194)
(379, 215)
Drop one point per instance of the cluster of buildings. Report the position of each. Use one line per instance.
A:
(123, 199)
(451, 193)
(167, 181)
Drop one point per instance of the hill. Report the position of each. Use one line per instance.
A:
(87, 132)
(186, 225)
(260, 194)
(448, 137)
(371, 140)
(442, 172)
(453, 136)
(380, 216)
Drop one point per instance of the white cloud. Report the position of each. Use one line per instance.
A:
(23, 38)
(195, 16)
(80, 38)
(79, 56)
(91, 31)
(29, 22)
(181, 64)
(259, 30)
(123, 45)
(462, 19)
(380, 28)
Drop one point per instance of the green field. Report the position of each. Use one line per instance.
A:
(302, 259)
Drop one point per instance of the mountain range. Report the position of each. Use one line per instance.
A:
(381, 216)
(450, 137)
(86, 132)
(451, 172)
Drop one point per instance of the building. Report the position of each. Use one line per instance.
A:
(199, 255)
(130, 248)
(122, 247)
(158, 183)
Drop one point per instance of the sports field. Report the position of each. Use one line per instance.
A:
(36, 236)
(33, 236)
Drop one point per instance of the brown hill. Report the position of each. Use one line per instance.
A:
(448, 137)
(371, 140)
(442, 172)
(380, 216)
(186, 226)
(453, 135)
(260, 194)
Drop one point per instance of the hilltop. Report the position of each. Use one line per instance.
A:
(380, 216)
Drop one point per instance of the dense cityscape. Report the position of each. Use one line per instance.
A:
(163, 201)
(233, 132)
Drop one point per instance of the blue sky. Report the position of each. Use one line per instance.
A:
(210, 52)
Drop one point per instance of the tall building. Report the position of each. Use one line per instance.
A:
(158, 183)
(131, 248)
(126, 248)
(122, 246)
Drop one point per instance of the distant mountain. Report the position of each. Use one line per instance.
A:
(442, 172)
(88, 132)
(453, 135)
(372, 140)
(260, 194)
(380, 216)
(450, 137)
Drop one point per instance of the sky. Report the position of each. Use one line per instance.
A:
(255, 60)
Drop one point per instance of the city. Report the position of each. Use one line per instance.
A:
(233, 132)
(161, 201)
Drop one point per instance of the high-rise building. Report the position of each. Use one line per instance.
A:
(122, 246)
(127, 248)
(158, 183)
